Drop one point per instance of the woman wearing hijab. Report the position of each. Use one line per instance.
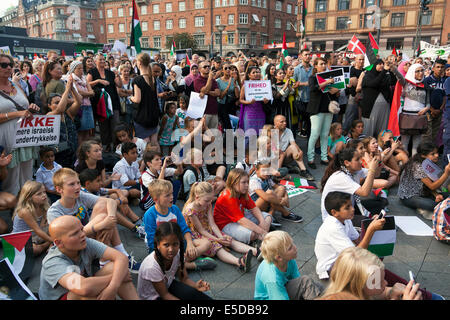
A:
(412, 120)
(189, 80)
(376, 99)
(176, 82)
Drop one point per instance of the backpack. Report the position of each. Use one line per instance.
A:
(185, 195)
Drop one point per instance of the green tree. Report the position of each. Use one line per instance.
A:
(182, 41)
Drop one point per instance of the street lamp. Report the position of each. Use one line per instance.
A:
(124, 5)
(220, 28)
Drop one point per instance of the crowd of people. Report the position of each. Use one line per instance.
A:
(116, 164)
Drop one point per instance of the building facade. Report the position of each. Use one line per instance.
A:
(65, 20)
(248, 24)
(331, 24)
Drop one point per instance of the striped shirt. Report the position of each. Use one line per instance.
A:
(441, 227)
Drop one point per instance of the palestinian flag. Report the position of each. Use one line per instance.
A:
(299, 183)
(374, 44)
(371, 52)
(396, 108)
(284, 51)
(418, 50)
(136, 31)
(394, 52)
(383, 241)
(172, 50)
(18, 249)
(188, 62)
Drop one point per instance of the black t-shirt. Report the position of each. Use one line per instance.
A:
(148, 112)
(110, 89)
(82, 165)
(354, 73)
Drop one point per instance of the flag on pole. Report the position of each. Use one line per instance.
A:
(18, 249)
(136, 31)
(394, 51)
(172, 50)
(395, 110)
(371, 53)
(418, 50)
(357, 47)
(284, 51)
(374, 44)
(188, 62)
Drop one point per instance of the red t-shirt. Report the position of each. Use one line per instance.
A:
(228, 209)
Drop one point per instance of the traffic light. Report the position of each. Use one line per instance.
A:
(423, 4)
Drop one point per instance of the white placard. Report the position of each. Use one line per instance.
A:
(413, 226)
(258, 90)
(197, 106)
(41, 130)
(5, 50)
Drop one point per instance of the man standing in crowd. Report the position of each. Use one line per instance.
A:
(301, 74)
(207, 86)
(351, 112)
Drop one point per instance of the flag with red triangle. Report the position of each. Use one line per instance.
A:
(299, 183)
(63, 53)
(284, 51)
(394, 51)
(188, 62)
(395, 110)
(18, 249)
(373, 43)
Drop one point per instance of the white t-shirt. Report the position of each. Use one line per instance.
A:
(140, 144)
(148, 176)
(332, 238)
(285, 139)
(150, 271)
(339, 181)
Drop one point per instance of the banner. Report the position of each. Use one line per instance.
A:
(337, 75)
(41, 130)
(5, 50)
(279, 45)
(429, 50)
(346, 70)
(258, 90)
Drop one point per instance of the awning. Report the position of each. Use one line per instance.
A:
(255, 17)
(76, 35)
(91, 36)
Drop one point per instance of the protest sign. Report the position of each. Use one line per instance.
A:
(119, 46)
(431, 169)
(197, 106)
(429, 50)
(337, 75)
(346, 70)
(41, 130)
(258, 90)
(5, 50)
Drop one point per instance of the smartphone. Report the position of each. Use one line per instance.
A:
(382, 214)
(448, 157)
(16, 71)
(396, 138)
(388, 144)
(412, 277)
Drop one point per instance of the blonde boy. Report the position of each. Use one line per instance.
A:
(278, 277)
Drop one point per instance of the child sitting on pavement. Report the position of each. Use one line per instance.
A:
(46, 170)
(278, 277)
(164, 210)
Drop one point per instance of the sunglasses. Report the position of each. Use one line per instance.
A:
(5, 65)
(227, 68)
(385, 131)
(204, 67)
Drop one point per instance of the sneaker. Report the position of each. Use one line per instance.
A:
(246, 262)
(259, 256)
(426, 214)
(295, 169)
(293, 218)
(312, 165)
(205, 263)
(275, 223)
(140, 232)
(133, 265)
(307, 175)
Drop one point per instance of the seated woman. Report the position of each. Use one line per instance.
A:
(345, 174)
(417, 188)
(397, 156)
(356, 131)
(336, 141)
(385, 177)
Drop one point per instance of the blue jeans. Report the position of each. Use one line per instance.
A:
(419, 203)
(320, 126)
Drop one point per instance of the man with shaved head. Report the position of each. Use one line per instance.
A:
(352, 111)
(67, 270)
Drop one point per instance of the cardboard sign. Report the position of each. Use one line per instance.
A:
(431, 169)
(197, 106)
(337, 75)
(41, 130)
(258, 90)
(346, 70)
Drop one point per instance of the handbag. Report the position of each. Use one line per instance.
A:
(409, 121)
(333, 107)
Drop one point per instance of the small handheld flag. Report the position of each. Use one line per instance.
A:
(18, 249)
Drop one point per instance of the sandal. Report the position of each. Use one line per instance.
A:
(245, 262)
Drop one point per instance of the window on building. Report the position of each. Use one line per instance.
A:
(278, 5)
(242, 38)
(182, 6)
(243, 18)
(156, 25)
(399, 2)
(321, 5)
(218, 18)
(263, 21)
(198, 4)
(368, 3)
(318, 46)
(200, 39)
(231, 2)
(130, 11)
(121, 27)
(120, 12)
(394, 42)
(319, 24)
(224, 3)
(157, 42)
(110, 28)
(289, 8)
(397, 19)
(364, 19)
(217, 3)
(109, 13)
(230, 37)
(231, 19)
(100, 14)
(182, 23)
(217, 39)
(102, 29)
(144, 11)
(156, 8)
(253, 39)
(426, 18)
(288, 25)
(339, 44)
(88, 15)
(343, 4)
(169, 7)
(169, 24)
(277, 23)
(199, 21)
(144, 43)
(144, 26)
(89, 27)
(243, 2)
(264, 4)
(341, 23)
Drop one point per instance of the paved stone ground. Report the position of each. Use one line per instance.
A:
(426, 257)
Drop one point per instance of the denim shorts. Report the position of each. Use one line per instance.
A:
(240, 233)
(87, 118)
